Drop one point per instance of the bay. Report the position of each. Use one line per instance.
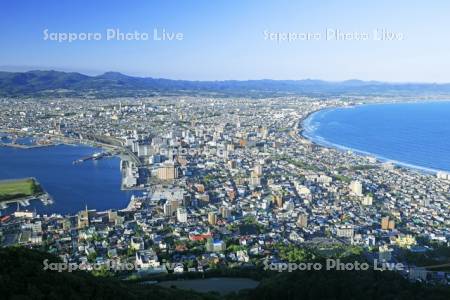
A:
(411, 134)
(95, 183)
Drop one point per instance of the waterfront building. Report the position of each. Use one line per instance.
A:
(112, 216)
(83, 218)
(388, 166)
(443, 175)
(129, 172)
(25, 214)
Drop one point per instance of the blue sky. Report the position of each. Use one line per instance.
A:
(225, 39)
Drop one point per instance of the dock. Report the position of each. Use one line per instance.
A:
(95, 156)
(45, 198)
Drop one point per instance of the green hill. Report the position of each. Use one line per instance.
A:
(345, 285)
(22, 277)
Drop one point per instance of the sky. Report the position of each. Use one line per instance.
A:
(232, 39)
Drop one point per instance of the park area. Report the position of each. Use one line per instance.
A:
(18, 188)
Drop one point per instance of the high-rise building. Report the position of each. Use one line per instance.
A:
(367, 200)
(278, 200)
(391, 225)
(264, 132)
(175, 203)
(143, 150)
(168, 211)
(112, 216)
(83, 218)
(225, 212)
(387, 223)
(203, 198)
(257, 170)
(181, 215)
(212, 218)
(187, 201)
(384, 223)
(302, 221)
(231, 194)
(254, 181)
(356, 188)
(223, 154)
(168, 171)
(232, 164)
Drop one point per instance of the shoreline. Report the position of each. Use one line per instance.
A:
(45, 198)
(329, 145)
(25, 200)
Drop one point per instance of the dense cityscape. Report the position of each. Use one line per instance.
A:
(226, 183)
(224, 150)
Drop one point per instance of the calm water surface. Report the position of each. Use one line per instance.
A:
(72, 186)
(412, 134)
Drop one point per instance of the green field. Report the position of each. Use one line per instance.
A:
(13, 189)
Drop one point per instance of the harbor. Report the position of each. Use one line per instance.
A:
(69, 186)
(45, 199)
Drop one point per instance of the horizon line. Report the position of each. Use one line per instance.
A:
(94, 73)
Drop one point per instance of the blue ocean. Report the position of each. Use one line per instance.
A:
(410, 134)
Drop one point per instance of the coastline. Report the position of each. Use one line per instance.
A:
(50, 199)
(24, 200)
(322, 142)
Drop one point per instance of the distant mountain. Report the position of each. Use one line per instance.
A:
(114, 84)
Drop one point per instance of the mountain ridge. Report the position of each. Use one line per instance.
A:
(115, 84)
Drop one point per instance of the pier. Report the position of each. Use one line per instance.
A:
(95, 156)
(45, 198)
